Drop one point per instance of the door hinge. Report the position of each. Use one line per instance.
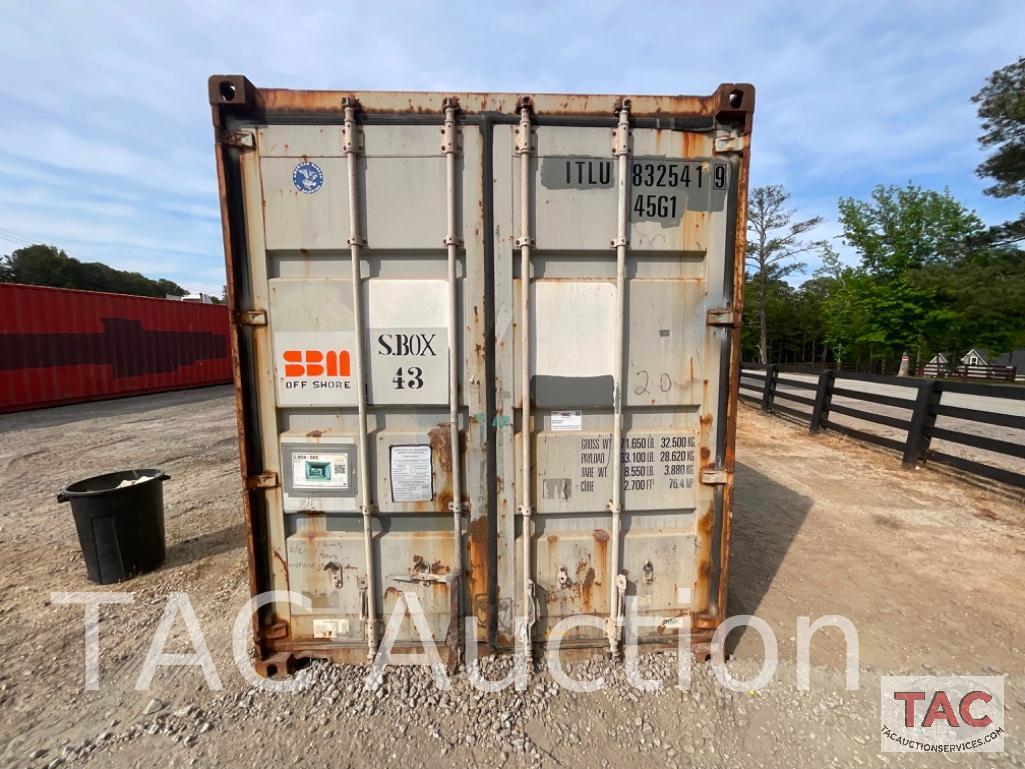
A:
(352, 133)
(268, 480)
(241, 139)
(714, 476)
(251, 317)
(723, 316)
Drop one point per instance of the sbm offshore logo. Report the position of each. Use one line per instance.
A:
(317, 369)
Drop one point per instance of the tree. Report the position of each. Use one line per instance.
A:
(1001, 104)
(902, 228)
(42, 265)
(773, 244)
(925, 284)
(898, 232)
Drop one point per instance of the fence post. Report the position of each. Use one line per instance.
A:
(769, 393)
(923, 418)
(823, 399)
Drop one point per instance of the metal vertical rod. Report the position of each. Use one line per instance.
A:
(449, 146)
(621, 148)
(523, 148)
(352, 147)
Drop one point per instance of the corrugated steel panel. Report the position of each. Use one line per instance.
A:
(61, 346)
(384, 235)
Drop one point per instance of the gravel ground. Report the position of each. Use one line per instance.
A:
(928, 569)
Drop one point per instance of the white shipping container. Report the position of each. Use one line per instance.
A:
(463, 317)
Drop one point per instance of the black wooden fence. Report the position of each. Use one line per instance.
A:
(760, 384)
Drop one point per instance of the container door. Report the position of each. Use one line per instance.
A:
(302, 244)
(672, 381)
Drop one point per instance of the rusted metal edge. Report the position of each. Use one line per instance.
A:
(738, 235)
(733, 102)
(233, 233)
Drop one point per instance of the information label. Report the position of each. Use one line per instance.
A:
(320, 471)
(411, 474)
(566, 420)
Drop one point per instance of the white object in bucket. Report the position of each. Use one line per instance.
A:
(133, 481)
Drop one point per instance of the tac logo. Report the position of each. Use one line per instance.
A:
(316, 363)
(941, 714)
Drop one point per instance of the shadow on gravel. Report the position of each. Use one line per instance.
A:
(115, 407)
(766, 517)
(211, 543)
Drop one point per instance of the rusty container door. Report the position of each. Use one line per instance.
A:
(616, 282)
(356, 502)
(485, 355)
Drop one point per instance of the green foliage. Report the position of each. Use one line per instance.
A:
(1002, 109)
(931, 278)
(924, 284)
(1001, 104)
(42, 265)
(977, 302)
(903, 228)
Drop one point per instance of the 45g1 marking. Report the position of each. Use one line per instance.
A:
(413, 379)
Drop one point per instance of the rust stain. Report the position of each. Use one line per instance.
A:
(601, 547)
(441, 444)
(314, 433)
(586, 584)
(477, 546)
(444, 500)
(281, 559)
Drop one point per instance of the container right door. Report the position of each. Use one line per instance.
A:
(673, 383)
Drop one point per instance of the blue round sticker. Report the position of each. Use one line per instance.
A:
(307, 177)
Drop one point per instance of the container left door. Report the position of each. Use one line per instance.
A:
(363, 521)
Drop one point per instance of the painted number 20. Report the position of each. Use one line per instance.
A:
(413, 378)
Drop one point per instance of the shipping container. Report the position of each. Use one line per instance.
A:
(487, 354)
(60, 346)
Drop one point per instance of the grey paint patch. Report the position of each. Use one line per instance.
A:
(662, 188)
(571, 391)
(557, 488)
(574, 172)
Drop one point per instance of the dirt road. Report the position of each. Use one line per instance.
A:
(930, 571)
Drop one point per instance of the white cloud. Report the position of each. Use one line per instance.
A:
(106, 143)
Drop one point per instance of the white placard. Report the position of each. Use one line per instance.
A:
(330, 628)
(566, 420)
(320, 471)
(411, 474)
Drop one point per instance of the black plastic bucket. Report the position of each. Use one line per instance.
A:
(121, 530)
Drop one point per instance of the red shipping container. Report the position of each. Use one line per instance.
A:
(62, 346)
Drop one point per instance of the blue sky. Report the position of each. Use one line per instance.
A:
(106, 146)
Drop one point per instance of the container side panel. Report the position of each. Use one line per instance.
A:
(61, 346)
